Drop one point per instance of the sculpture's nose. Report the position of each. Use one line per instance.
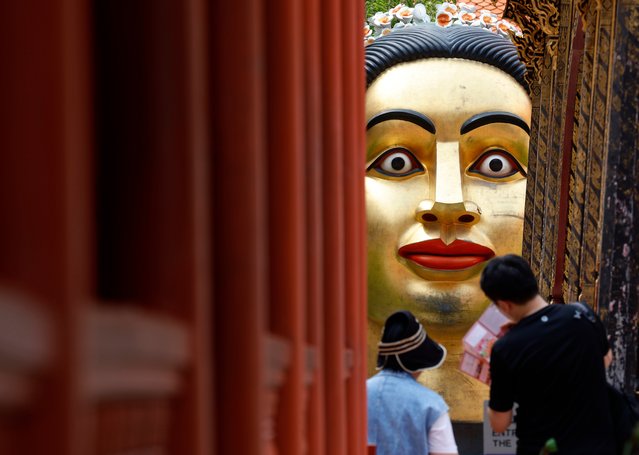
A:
(449, 206)
(465, 213)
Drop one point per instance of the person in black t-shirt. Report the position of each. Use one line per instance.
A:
(551, 362)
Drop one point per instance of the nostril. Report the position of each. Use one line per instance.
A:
(429, 217)
(466, 219)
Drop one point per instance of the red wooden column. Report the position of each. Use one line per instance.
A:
(45, 199)
(153, 242)
(70, 271)
(239, 217)
(334, 241)
(316, 401)
(286, 214)
(362, 278)
(192, 425)
(355, 228)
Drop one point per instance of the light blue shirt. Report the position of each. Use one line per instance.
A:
(400, 413)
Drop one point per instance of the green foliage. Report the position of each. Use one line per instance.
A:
(549, 447)
(632, 445)
(374, 6)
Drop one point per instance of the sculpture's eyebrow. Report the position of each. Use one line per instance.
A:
(493, 117)
(407, 115)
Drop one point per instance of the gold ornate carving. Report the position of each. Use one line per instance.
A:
(583, 6)
(587, 7)
(539, 21)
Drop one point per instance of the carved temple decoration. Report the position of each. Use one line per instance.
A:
(584, 6)
(539, 21)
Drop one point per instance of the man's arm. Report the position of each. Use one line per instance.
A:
(501, 390)
(499, 421)
(608, 358)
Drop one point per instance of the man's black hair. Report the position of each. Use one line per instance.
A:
(432, 41)
(509, 278)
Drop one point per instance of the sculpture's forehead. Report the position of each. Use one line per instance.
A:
(447, 90)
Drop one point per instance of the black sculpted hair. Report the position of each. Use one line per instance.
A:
(509, 278)
(432, 41)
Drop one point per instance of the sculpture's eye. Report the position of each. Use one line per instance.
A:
(496, 164)
(396, 162)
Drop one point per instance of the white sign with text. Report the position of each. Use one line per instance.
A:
(499, 443)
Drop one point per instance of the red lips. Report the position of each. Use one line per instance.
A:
(435, 254)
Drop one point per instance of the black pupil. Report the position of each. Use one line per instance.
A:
(496, 165)
(398, 163)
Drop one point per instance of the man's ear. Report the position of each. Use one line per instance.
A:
(504, 306)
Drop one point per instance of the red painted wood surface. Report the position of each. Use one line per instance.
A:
(333, 124)
(315, 398)
(355, 260)
(239, 215)
(287, 237)
(45, 204)
(182, 199)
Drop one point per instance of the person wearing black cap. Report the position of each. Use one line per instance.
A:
(405, 417)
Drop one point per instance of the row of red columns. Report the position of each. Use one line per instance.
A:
(233, 194)
(288, 220)
(50, 235)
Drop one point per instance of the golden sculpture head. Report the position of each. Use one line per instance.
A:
(448, 124)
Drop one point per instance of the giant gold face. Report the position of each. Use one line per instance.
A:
(447, 155)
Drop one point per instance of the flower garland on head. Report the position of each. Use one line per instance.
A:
(448, 14)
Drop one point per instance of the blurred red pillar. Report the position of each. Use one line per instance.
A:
(335, 247)
(176, 172)
(355, 226)
(239, 220)
(316, 411)
(285, 121)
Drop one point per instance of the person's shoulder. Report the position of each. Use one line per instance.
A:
(582, 309)
(574, 311)
(391, 376)
(374, 381)
(567, 308)
(421, 389)
(377, 377)
(431, 399)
